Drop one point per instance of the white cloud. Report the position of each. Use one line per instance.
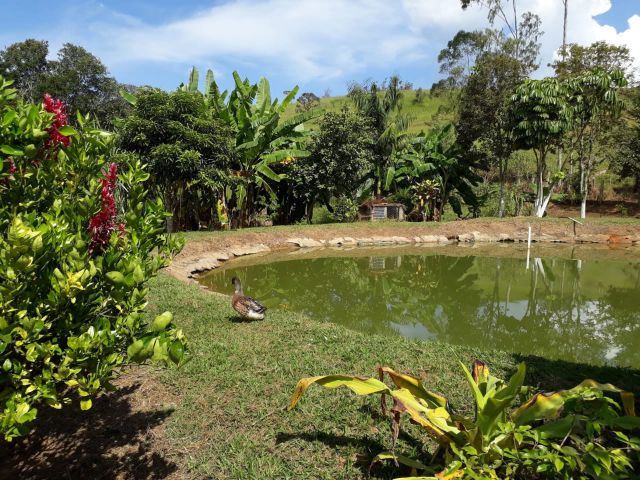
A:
(583, 28)
(310, 40)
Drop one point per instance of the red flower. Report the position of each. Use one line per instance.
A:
(12, 169)
(103, 224)
(56, 107)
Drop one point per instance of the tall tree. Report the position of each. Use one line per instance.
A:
(484, 124)
(83, 82)
(522, 31)
(593, 101)
(458, 58)
(540, 116)
(565, 4)
(76, 77)
(341, 155)
(576, 65)
(188, 151)
(579, 59)
(27, 65)
(383, 109)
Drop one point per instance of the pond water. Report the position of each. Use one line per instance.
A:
(576, 305)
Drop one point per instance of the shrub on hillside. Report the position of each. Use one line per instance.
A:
(79, 238)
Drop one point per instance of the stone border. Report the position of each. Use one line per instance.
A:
(187, 268)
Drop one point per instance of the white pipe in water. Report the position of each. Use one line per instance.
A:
(529, 247)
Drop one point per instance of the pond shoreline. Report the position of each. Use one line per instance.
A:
(205, 251)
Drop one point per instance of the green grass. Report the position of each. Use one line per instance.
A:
(230, 420)
(421, 114)
(301, 228)
(308, 230)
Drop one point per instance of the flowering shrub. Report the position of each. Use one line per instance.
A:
(103, 223)
(79, 238)
(56, 107)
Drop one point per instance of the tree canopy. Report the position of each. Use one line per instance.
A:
(76, 77)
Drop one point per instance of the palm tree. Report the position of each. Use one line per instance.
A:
(384, 111)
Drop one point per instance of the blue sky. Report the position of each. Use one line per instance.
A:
(318, 44)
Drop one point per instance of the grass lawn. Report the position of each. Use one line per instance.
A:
(305, 229)
(230, 421)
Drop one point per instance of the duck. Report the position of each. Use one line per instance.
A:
(247, 307)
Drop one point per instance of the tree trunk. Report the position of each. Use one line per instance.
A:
(378, 184)
(560, 163)
(585, 171)
(539, 204)
(583, 189)
(169, 205)
(502, 201)
(503, 204)
(309, 213)
(247, 211)
(564, 28)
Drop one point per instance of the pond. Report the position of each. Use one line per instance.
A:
(571, 303)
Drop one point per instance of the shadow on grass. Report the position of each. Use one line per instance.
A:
(558, 374)
(239, 319)
(112, 440)
(367, 449)
(331, 440)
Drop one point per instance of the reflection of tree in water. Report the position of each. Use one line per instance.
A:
(560, 319)
(424, 291)
(558, 308)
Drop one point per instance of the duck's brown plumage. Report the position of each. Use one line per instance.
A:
(246, 306)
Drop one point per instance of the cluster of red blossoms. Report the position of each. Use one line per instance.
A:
(56, 107)
(103, 224)
(12, 169)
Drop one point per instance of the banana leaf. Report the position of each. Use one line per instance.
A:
(548, 405)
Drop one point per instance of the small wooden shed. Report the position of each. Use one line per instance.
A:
(380, 209)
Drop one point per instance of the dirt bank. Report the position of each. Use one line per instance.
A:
(205, 250)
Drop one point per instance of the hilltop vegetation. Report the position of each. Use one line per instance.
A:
(431, 111)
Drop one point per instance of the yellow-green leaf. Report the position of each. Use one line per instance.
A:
(161, 322)
(360, 386)
(115, 278)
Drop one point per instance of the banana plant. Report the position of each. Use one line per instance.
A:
(263, 137)
(496, 433)
(436, 156)
(194, 80)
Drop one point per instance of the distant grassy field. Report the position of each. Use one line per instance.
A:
(424, 115)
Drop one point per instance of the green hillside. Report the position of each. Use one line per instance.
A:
(422, 114)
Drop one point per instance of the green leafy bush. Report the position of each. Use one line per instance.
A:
(576, 433)
(79, 238)
(345, 210)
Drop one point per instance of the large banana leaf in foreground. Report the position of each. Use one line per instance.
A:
(492, 431)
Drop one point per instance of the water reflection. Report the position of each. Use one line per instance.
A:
(576, 310)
